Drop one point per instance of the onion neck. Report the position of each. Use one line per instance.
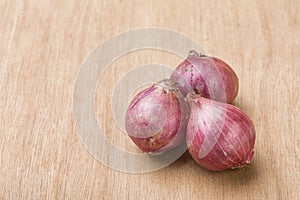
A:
(192, 97)
(168, 85)
(195, 53)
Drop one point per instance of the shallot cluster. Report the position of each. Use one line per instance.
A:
(193, 107)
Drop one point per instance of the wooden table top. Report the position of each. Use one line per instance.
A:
(43, 46)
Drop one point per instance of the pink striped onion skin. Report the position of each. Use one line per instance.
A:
(209, 76)
(156, 118)
(219, 136)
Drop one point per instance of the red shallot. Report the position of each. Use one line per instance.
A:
(219, 136)
(208, 76)
(156, 117)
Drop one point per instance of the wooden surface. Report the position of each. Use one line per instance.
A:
(43, 44)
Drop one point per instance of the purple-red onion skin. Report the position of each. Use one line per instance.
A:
(156, 118)
(219, 136)
(208, 76)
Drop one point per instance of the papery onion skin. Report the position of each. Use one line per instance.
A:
(208, 76)
(156, 118)
(223, 132)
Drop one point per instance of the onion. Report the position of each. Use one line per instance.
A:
(208, 76)
(156, 118)
(219, 136)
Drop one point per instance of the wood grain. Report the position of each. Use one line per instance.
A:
(43, 44)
